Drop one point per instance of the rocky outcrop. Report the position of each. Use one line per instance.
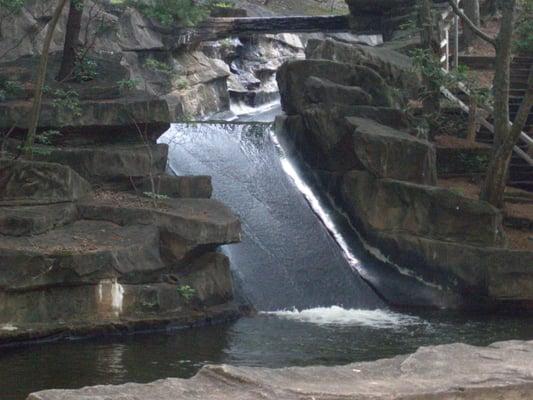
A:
(390, 153)
(500, 371)
(74, 261)
(373, 165)
(304, 82)
(398, 208)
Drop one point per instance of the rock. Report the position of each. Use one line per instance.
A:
(210, 277)
(31, 183)
(390, 153)
(107, 121)
(34, 220)
(327, 139)
(485, 277)
(100, 164)
(84, 252)
(399, 208)
(293, 80)
(178, 187)
(324, 91)
(394, 67)
(455, 371)
(186, 225)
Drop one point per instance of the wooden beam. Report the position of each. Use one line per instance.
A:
(219, 28)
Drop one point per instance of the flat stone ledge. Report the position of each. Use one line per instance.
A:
(457, 371)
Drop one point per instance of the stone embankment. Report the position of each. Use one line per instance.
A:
(97, 239)
(457, 371)
(344, 118)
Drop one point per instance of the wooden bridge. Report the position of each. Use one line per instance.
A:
(220, 28)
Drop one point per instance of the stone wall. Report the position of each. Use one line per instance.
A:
(344, 118)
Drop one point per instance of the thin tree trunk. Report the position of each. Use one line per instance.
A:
(502, 75)
(431, 102)
(472, 120)
(39, 84)
(471, 8)
(493, 188)
(72, 40)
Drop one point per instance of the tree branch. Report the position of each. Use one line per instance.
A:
(471, 25)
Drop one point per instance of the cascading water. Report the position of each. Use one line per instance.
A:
(287, 259)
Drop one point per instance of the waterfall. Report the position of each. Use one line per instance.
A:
(288, 258)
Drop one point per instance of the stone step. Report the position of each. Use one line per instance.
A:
(81, 253)
(35, 220)
(32, 183)
(185, 224)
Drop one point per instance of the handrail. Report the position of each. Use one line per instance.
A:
(485, 123)
(445, 44)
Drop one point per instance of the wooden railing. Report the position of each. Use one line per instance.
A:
(449, 21)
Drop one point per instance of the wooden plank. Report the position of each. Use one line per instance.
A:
(522, 154)
(219, 28)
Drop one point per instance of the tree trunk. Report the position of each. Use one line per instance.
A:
(41, 76)
(431, 102)
(472, 121)
(72, 40)
(471, 8)
(502, 75)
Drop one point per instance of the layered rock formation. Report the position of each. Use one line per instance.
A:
(99, 240)
(344, 118)
(501, 371)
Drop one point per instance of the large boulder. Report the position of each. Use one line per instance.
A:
(31, 182)
(484, 276)
(390, 153)
(455, 371)
(394, 67)
(399, 208)
(298, 91)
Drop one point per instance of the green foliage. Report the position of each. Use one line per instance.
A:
(9, 88)
(11, 6)
(159, 66)
(128, 84)
(524, 28)
(167, 12)
(181, 83)
(156, 196)
(85, 69)
(46, 138)
(186, 292)
(474, 162)
(67, 100)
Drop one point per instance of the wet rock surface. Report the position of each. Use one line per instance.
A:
(376, 168)
(501, 371)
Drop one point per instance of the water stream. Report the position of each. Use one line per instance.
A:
(297, 264)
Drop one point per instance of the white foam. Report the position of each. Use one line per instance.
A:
(336, 315)
(8, 327)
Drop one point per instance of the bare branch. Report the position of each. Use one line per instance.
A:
(471, 25)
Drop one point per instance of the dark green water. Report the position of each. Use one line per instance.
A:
(266, 340)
